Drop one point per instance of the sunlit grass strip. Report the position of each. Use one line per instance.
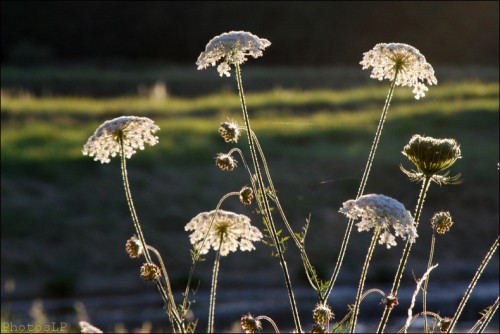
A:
(278, 99)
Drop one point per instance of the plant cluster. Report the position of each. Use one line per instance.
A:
(225, 232)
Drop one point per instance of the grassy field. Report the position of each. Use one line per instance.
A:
(65, 219)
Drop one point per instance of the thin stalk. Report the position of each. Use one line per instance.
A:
(472, 284)
(362, 280)
(361, 189)
(215, 274)
(300, 245)
(267, 209)
(426, 283)
(197, 254)
(488, 316)
(271, 321)
(137, 226)
(406, 253)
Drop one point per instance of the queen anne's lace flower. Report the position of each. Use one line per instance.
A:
(222, 229)
(382, 212)
(132, 130)
(410, 64)
(232, 48)
(432, 156)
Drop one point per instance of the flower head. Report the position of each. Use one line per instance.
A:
(132, 131)
(225, 162)
(232, 48)
(222, 229)
(412, 69)
(246, 195)
(134, 248)
(249, 324)
(441, 222)
(229, 131)
(322, 314)
(381, 212)
(150, 272)
(432, 156)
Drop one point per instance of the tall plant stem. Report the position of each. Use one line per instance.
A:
(168, 300)
(426, 283)
(362, 280)
(361, 189)
(472, 284)
(406, 253)
(267, 210)
(487, 317)
(215, 274)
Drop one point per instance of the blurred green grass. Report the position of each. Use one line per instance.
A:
(61, 210)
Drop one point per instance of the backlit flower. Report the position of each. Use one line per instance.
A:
(381, 212)
(250, 325)
(431, 156)
(133, 131)
(225, 162)
(222, 229)
(441, 222)
(412, 69)
(231, 48)
(150, 272)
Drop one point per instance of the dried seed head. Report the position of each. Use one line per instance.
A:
(444, 324)
(322, 314)
(246, 195)
(229, 131)
(150, 272)
(134, 248)
(249, 324)
(441, 222)
(225, 162)
(318, 329)
(391, 301)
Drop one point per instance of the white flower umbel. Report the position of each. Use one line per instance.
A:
(224, 229)
(389, 59)
(232, 48)
(381, 212)
(133, 131)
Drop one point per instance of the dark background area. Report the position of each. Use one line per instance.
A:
(303, 33)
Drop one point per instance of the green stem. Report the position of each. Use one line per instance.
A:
(362, 280)
(361, 189)
(426, 283)
(405, 256)
(267, 210)
(472, 284)
(137, 226)
(215, 274)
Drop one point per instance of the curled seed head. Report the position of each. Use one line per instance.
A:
(133, 248)
(246, 195)
(391, 301)
(249, 324)
(322, 314)
(441, 222)
(229, 131)
(444, 324)
(150, 272)
(225, 162)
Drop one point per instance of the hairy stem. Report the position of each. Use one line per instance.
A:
(406, 253)
(215, 274)
(472, 284)
(267, 210)
(361, 189)
(362, 280)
